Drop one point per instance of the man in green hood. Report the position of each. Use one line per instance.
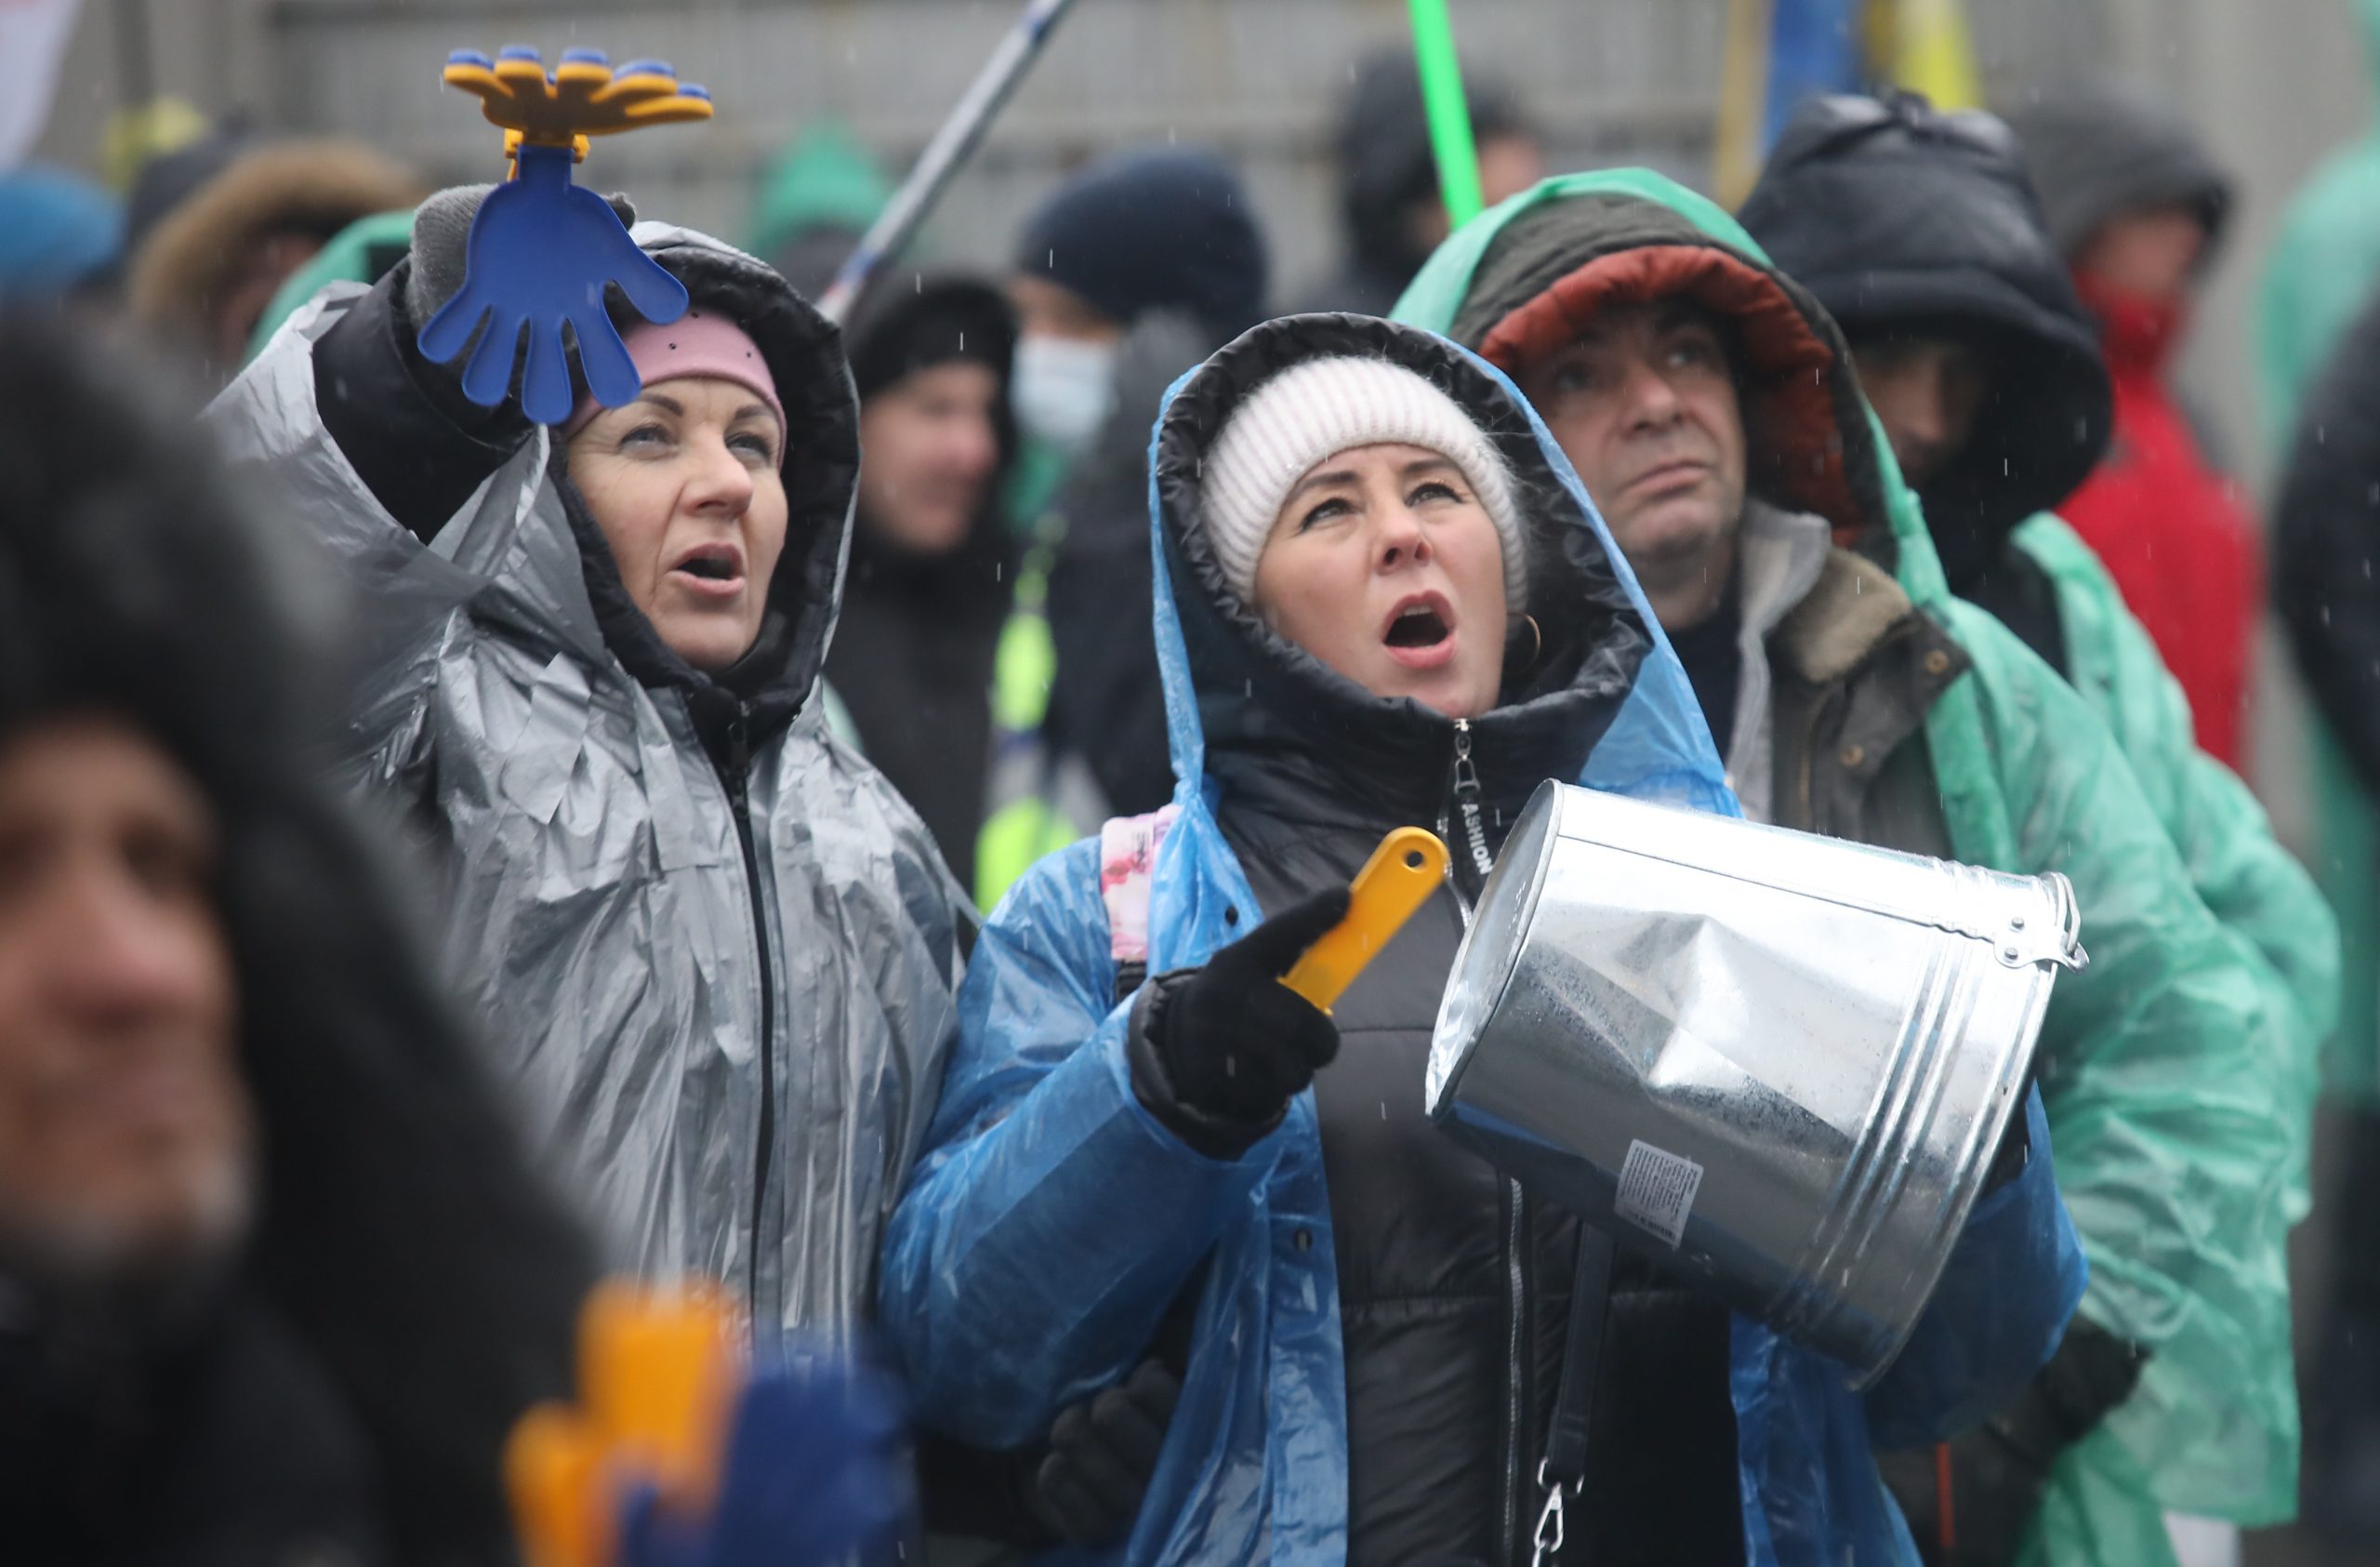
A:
(1713, 410)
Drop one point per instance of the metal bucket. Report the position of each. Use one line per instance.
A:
(1779, 1063)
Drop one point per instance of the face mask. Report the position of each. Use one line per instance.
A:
(1063, 388)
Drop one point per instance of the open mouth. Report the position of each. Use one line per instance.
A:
(1420, 632)
(716, 565)
(1419, 627)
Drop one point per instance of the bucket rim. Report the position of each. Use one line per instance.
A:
(1461, 1008)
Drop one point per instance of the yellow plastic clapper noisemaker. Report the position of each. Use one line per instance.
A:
(1409, 865)
(658, 1374)
(582, 97)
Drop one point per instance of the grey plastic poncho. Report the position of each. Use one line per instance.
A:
(730, 1048)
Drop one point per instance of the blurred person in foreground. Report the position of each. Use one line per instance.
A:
(1131, 272)
(1984, 371)
(2136, 206)
(1711, 407)
(1391, 212)
(2326, 549)
(275, 1278)
(933, 563)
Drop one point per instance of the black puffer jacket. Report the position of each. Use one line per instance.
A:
(1454, 1282)
(1970, 261)
(913, 654)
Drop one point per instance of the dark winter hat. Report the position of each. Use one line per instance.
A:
(908, 327)
(1153, 230)
(170, 178)
(1971, 261)
(2100, 151)
(1382, 141)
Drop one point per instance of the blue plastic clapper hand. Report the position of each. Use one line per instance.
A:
(814, 1472)
(540, 252)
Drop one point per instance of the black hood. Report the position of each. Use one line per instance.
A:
(821, 467)
(1276, 719)
(1972, 260)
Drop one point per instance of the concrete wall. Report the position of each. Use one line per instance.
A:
(1610, 81)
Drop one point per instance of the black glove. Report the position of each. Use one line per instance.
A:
(1999, 1470)
(1233, 1044)
(1103, 1453)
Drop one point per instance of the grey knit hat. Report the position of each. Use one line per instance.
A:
(1323, 406)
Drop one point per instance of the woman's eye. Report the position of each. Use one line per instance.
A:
(1434, 490)
(643, 434)
(758, 447)
(1572, 378)
(1327, 511)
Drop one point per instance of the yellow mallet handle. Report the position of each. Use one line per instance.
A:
(1397, 880)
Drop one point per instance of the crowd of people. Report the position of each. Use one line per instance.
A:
(831, 826)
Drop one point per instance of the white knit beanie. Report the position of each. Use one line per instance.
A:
(1318, 410)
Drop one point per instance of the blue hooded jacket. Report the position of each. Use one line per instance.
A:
(1053, 1218)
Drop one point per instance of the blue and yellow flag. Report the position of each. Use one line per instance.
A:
(1780, 51)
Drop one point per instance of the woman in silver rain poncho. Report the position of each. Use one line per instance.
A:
(713, 947)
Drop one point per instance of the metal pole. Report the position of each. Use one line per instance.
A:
(949, 149)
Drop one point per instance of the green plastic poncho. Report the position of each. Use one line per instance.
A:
(2176, 1104)
(2243, 874)
(2323, 265)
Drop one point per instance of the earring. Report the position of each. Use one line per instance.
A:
(1538, 650)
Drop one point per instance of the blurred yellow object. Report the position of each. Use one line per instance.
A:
(551, 1465)
(1737, 149)
(658, 1372)
(135, 136)
(1398, 879)
(1924, 47)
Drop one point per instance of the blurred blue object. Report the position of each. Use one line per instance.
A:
(814, 1472)
(57, 229)
(541, 252)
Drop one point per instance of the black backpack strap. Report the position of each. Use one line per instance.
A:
(1564, 1469)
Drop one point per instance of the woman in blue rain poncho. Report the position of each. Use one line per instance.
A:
(1350, 520)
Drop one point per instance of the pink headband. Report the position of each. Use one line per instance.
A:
(697, 344)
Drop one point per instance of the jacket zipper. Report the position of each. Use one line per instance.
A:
(739, 800)
(1809, 822)
(1464, 802)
